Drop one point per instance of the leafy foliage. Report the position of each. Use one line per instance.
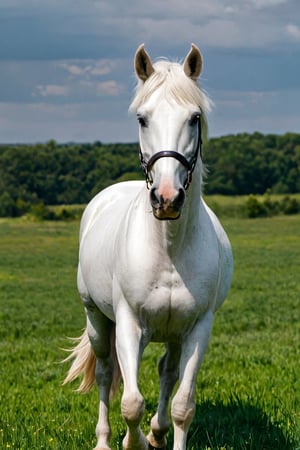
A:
(254, 163)
(53, 174)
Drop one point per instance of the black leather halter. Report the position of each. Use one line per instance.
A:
(189, 165)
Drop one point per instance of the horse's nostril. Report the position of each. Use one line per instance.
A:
(154, 197)
(158, 201)
(179, 200)
(181, 195)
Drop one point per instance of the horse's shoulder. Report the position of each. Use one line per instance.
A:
(120, 192)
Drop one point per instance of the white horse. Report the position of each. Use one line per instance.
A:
(154, 264)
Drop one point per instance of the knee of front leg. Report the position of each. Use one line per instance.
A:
(182, 412)
(132, 407)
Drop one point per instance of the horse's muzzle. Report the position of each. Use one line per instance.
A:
(167, 208)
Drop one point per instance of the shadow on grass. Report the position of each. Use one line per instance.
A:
(234, 426)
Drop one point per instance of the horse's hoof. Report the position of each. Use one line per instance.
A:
(155, 444)
(150, 447)
(140, 444)
(156, 448)
(102, 448)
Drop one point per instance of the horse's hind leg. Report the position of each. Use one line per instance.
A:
(168, 369)
(101, 333)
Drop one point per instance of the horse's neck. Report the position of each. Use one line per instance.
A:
(175, 235)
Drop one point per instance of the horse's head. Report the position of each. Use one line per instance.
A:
(170, 109)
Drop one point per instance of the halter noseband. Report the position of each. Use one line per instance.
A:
(189, 165)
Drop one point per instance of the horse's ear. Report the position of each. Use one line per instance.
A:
(142, 64)
(192, 65)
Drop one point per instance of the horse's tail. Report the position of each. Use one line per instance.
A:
(84, 363)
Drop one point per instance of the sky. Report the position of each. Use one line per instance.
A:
(66, 66)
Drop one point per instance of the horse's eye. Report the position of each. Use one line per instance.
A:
(194, 119)
(142, 121)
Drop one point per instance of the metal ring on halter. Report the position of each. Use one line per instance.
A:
(189, 165)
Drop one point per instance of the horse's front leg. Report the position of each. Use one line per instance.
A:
(130, 346)
(183, 404)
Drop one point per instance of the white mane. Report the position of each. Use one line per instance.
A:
(174, 84)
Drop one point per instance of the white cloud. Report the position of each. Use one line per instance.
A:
(85, 122)
(216, 23)
(107, 28)
(264, 111)
(88, 68)
(293, 31)
(110, 87)
(76, 58)
(267, 3)
(101, 69)
(49, 90)
(241, 102)
(73, 69)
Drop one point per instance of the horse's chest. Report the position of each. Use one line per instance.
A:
(173, 302)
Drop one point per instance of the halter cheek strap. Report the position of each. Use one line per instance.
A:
(189, 165)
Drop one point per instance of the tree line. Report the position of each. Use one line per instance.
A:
(57, 174)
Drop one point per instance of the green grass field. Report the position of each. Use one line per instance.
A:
(248, 393)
